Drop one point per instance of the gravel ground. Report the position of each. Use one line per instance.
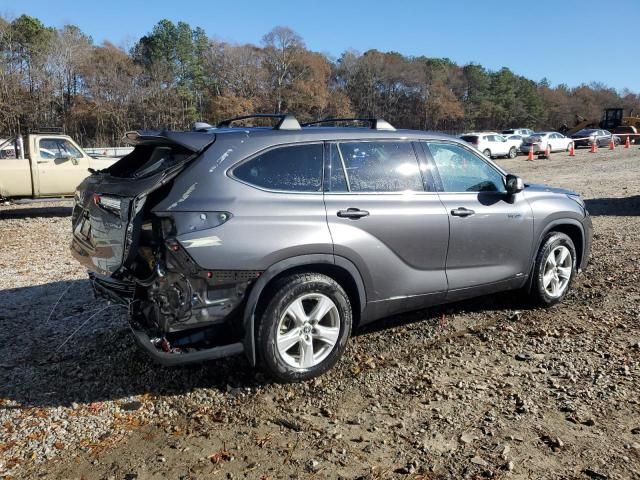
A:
(477, 389)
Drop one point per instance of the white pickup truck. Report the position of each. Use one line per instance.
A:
(44, 165)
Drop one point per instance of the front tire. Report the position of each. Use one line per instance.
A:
(513, 152)
(304, 329)
(554, 270)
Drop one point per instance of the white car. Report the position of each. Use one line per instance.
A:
(492, 144)
(539, 141)
(525, 132)
(517, 139)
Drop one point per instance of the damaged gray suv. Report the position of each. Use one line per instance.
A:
(278, 241)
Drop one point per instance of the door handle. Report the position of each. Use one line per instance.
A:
(42, 161)
(353, 213)
(461, 212)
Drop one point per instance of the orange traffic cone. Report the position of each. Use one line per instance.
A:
(546, 154)
(572, 150)
(530, 157)
(612, 144)
(594, 147)
(627, 143)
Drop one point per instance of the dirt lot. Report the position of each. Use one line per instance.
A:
(478, 389)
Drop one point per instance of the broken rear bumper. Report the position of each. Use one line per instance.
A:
(172, 359)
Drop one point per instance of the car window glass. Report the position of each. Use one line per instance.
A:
(295, 168)
(381, 166)
(57, 148)
(337, 179)
(463, 171)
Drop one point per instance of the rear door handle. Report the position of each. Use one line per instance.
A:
(461, 212)
(353, 213)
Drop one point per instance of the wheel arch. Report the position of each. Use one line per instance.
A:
(338, 268)
(570, 227)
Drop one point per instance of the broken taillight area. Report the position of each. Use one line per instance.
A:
(177, 302)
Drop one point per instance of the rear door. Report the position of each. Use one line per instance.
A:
(491, 235)
(60, 165)
(388, 221)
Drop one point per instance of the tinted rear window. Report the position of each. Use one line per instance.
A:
(296, 168)
(470, 138)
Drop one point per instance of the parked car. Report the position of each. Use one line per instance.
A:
(492, 144)
(540, 140)
(588, 136)
(279, 242)
(525, 132)
(517, 141)
(42, 165)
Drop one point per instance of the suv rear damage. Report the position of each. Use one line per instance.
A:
(135, 259)
(277, 242)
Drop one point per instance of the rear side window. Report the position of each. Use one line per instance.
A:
(470, 138)
(381, 166)
(461, 170)
(296, 168)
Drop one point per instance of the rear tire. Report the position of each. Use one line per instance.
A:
(513, 153)
(487, 153)
(294, 343)
(554, 270)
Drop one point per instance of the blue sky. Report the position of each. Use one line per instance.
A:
(567, 41)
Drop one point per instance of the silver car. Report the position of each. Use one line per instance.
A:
(278, 242)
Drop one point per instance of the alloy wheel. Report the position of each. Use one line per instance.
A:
(557, 271)
(308, 330)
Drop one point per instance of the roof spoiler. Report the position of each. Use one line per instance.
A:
(192, 141)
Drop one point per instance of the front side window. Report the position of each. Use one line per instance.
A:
(57, 148)
(463, 171)
(296, 168)
(381, 166)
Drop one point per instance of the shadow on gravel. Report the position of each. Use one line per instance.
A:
(40, 212)
(623, 207)
(84, 351)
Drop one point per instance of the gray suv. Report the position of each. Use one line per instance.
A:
(277, 242)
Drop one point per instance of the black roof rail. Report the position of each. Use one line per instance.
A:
(287, 121)
(375, 123)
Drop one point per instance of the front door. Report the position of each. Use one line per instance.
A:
(60, 164)
(491, 234)
(389, 222)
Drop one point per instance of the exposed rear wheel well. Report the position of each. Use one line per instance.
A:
(340, 275)
(575, 234)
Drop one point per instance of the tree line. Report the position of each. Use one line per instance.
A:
(177, 74)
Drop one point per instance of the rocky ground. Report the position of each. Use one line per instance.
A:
(478, 389)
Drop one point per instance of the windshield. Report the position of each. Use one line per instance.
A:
(586, 131)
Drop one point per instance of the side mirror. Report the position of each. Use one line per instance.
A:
(514, 184)
(63, 158)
